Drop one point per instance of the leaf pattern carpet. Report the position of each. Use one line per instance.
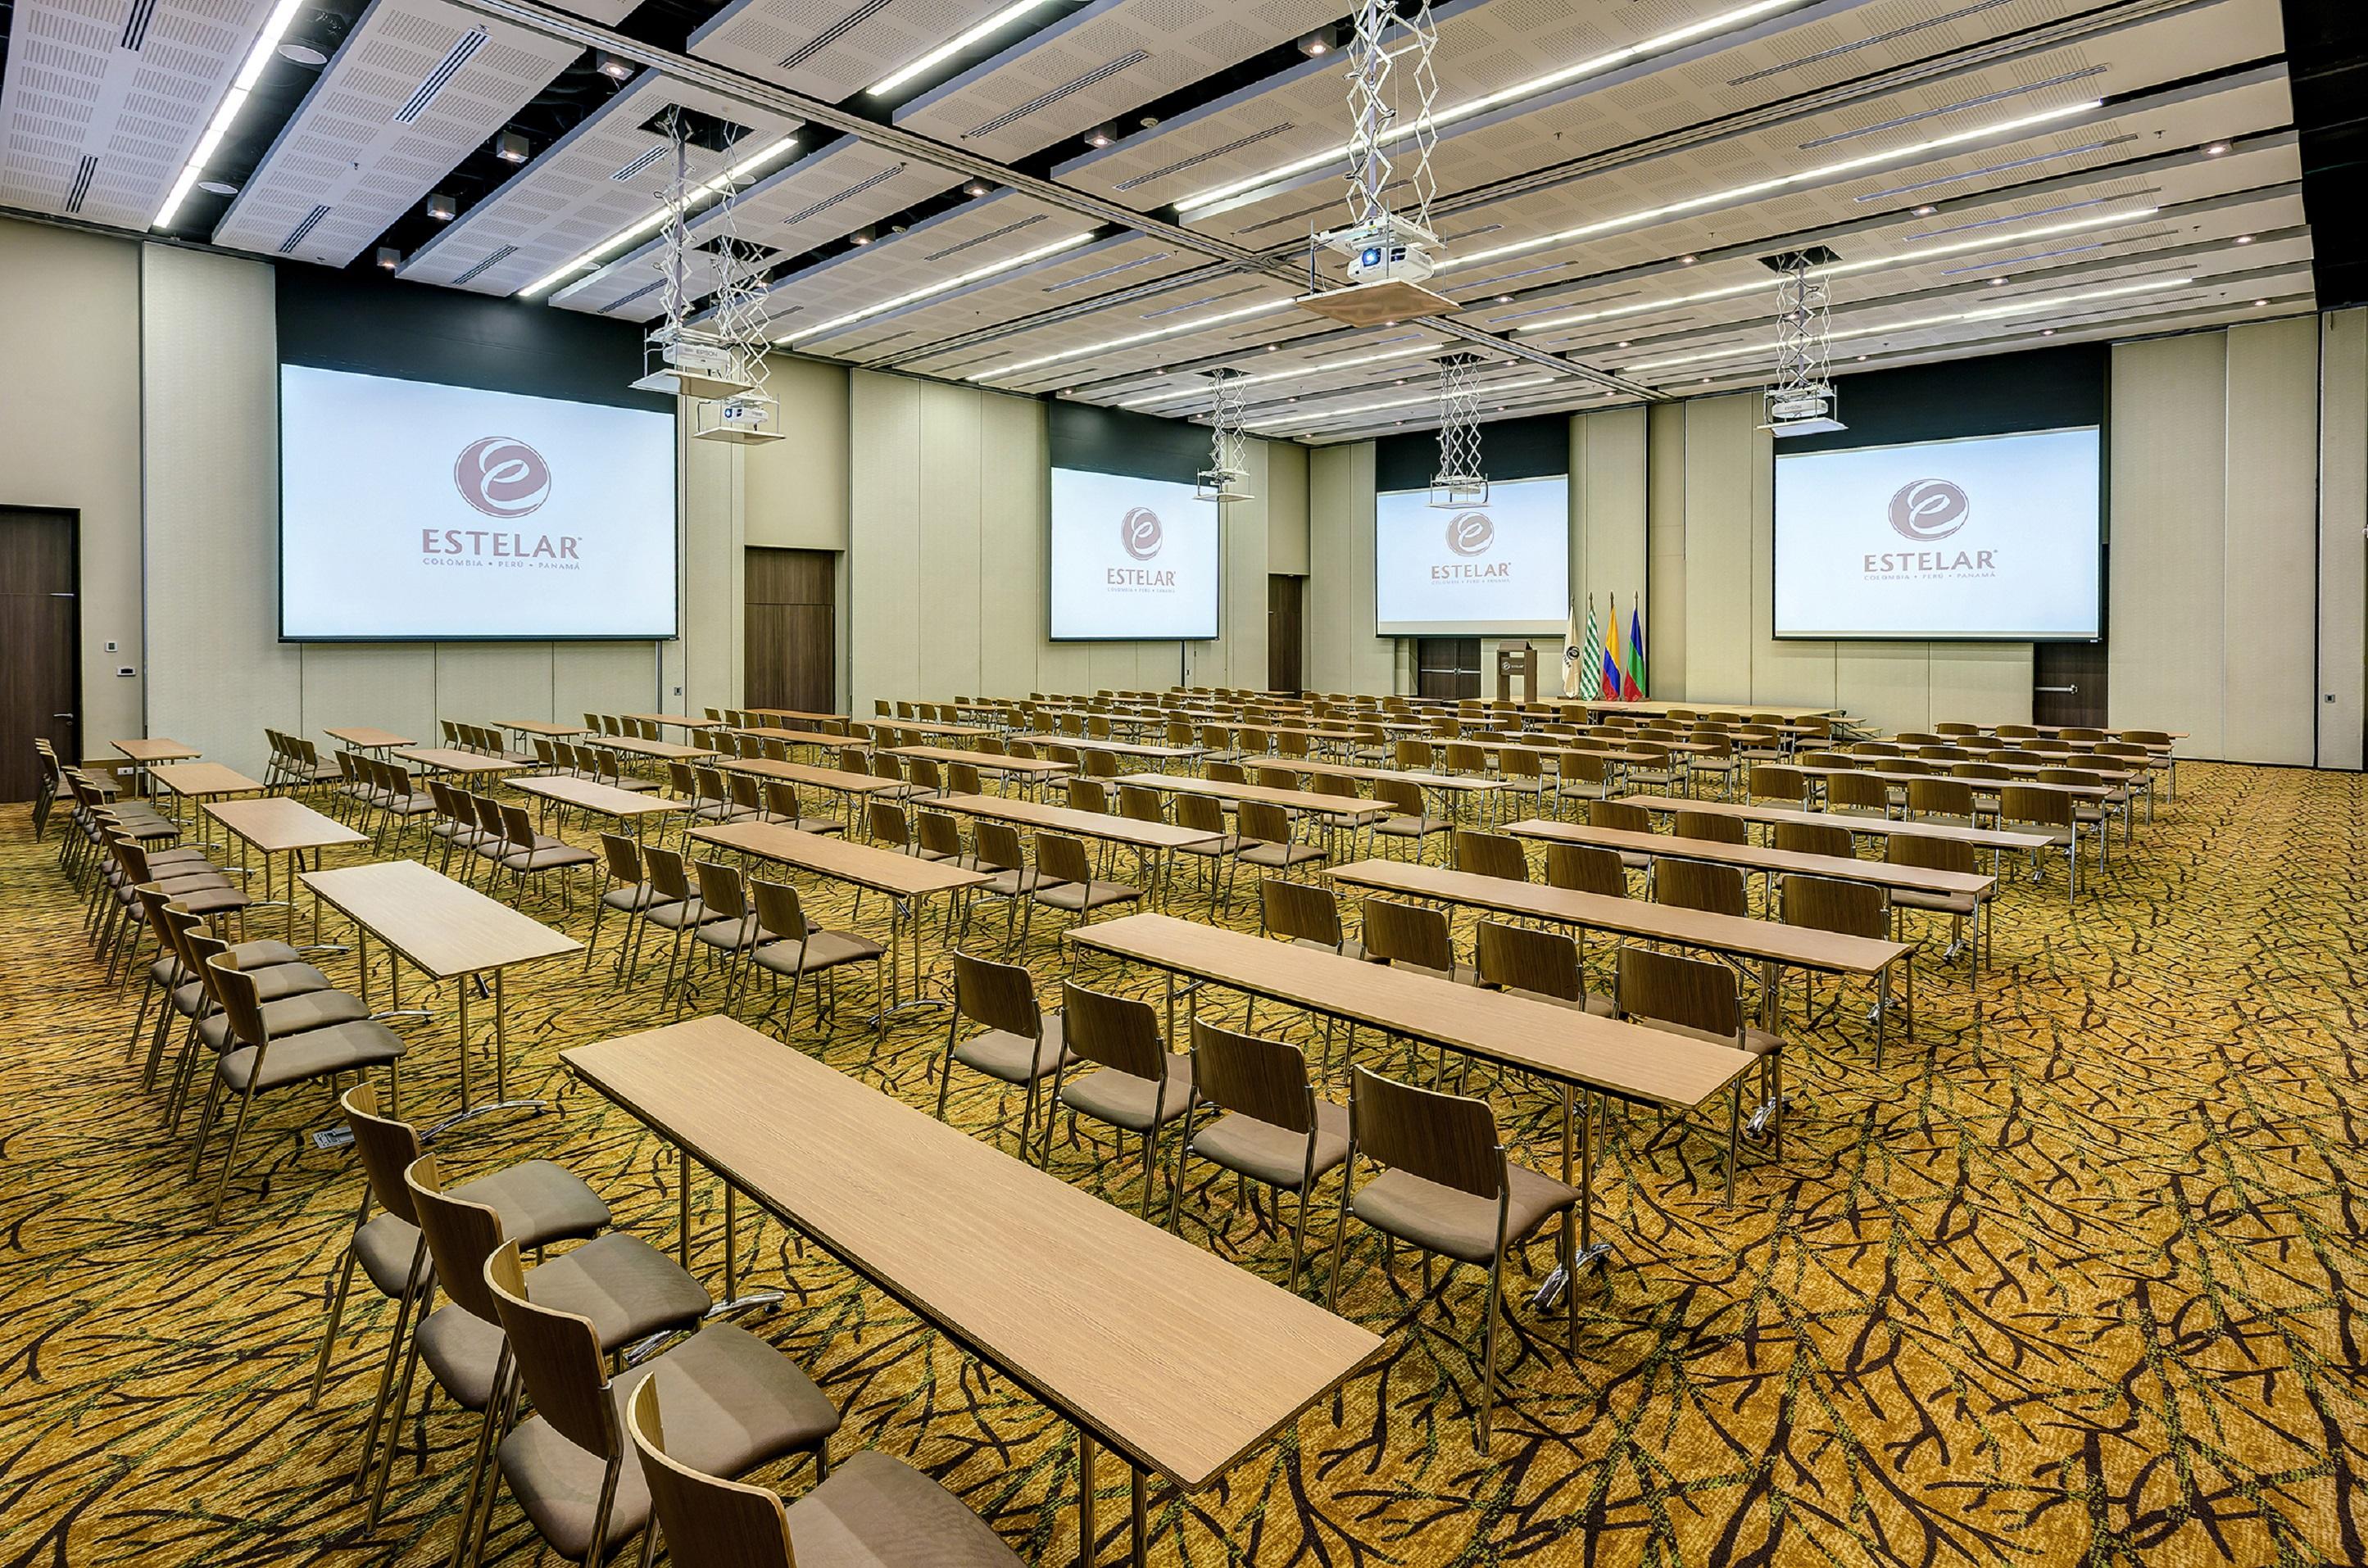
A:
(2075, 1278)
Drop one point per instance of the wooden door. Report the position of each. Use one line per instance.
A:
(1284, 634)
(39, 677)
(791, 631)
(1447, 666)
(2067, 683)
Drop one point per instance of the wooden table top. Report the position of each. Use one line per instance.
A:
(542, 727)
(1354, 806)
(368, 738)
(806, 773)
(984, 760)
(1464, 782)
(665, 750)
(447, 759)
(441, 928)
(932, 727)
(276, 825)
(198, 779)
(1982, 837)
(1621, 1059)
(1831, 951)
(1069, 819)
(1168, 1354)
(680, 721)
(606, 798)
(881, 870)
(810, 718)
(807, 738)
(1753, 857)
(2085, 792)
(156, 748)
(1117, 748)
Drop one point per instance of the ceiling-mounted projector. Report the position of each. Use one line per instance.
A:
(1802, 411)
(1389, 261)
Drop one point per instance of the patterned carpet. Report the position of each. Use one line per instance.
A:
(2076, 1278)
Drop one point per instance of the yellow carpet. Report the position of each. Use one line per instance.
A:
(2077, 1277)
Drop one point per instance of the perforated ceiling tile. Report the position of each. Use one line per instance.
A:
(832, 49)
(598, 181)
(103, 103)
(414, 88)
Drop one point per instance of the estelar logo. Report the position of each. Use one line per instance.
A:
(501, 476)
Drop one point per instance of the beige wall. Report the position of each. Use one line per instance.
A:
(1343, 651)
(70, 356)
(2342, 538)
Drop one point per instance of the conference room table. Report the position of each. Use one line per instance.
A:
(452, 760)
(1991, 838)
(1031, 771)
(1153, 1348)
(200, 783)
(150, 750)
(1771, 944)
(1444, 784)
(849, 786)
(279, 824)
(675, 722)
(367, 737)
(447, 931)
(907, 881)
(1143, 750)
(1147, 839)
(931, 727)
(815, 738)
(628, 806)
(542, 728)
(656, 751)
(1353, 810)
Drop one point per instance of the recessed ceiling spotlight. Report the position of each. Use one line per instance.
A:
(1399, 382)
(2046, 332)
(1101, 135)
(1704, 381)
(1389, 323)
(1622, 344)
(2244, 239)
(1926, 211)
(1316, 43)
(312, 41)
(1269, 347)
(2216, 149)
(218, 187)
(1861, 358)
(609, 65)
(2259, 303)
(1686, 260)
(511, 148)
(976, 188)
(388, 258)
(861, 236)
(1998, 282)
(441, 207)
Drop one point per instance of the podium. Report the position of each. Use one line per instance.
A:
(1516, 668)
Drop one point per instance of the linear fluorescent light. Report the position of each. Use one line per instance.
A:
(1595, 66)
(657, 220)
(942, 286)
(1886, 329)
(1132, 339)
(1325, 415)
(1916, 150)
(1289, 373)
(955, 45)
(1846, 268)
(274, 26)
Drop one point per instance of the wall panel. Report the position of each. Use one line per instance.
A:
(1718, 521)
(2168, 464)
(948, 579)
(2342, 548)
(1013, 498)
(2270, 547)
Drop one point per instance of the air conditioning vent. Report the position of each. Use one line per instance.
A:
(446, 70)
(495, 259)
(643, 291)
(296, 235)
(1107, 272)
(827, 202)
(1943, 20)
(135, 24)
(638, 165)
(1177, 167)
(833, 33)
(81, 183)
(1045, 101)
(990, 234)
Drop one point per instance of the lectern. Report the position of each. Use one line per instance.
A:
(1517, 666)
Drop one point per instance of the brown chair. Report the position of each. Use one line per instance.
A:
(1711, 826)
(1700, 998)
(1220, 852)
(1021, 1045)
(540, 855)
(1274, 1128)
(738, 1404)
(1699, 884)
(872, 1510)
(1448, 1187)
(1543, 966)
(1581, 776)
(1586, 868)
(787, 943)
(1815, 838)
(1266, 832)
(1411, 820)
(1307, 913)
(1857, 794)
(1491, 855)
(1137, 1085)
(1414, 936)
(1622, 817)
(2048, 813)
(1936, 854)
(1848, 908)
(781, 806)
(1067, 880)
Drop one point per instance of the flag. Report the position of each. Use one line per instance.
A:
(1615, 680)
(1590, 672)
(1636, 651)
(1572, 654)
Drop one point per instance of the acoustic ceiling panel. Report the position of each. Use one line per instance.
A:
(832, 49)
(105, 101)
(594, 183)
(417, 86)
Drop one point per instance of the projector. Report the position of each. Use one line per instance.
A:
(1389, 251)
(1802, 411)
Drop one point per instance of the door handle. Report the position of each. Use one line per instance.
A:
(61, 716)
(2064, 690)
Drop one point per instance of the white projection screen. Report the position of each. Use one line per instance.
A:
(1992, 538)
(1501, 570)
(410, 510)
(1132, 560)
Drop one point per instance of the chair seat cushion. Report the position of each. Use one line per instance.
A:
(1412, 827)
(291, 1017)
(631, 781)
(1086, 895)
(729, 1401)
(632, 900)
(250, 956)
(210, 897)
(463, 1349)
(625, 1286)
(1138, 1105)
(1013, 882)
(1943, 902)
(339, 1048)
(1275, 1155)
(1282, 856)
(539, 1201)
(552, 856)
(1458, 1225)
(1755, 1041)
(1013, 1058)
(878, 1510)
(387, 1246)
(684, 912)
(271, 985)
(823, 950)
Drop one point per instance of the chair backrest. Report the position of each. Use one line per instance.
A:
(1814, 839)
(387, 1148)
(720, 889)
(1201, 814)
(1527, 958)
(233, 992)
(1586, 867)
(2046, 808)
(1226, 773)
(1831, 904)
(557, 1354)
(1715, 826)
(1118, 1032)
(1401, 795)
(461, 1236)
(939, 834)
(779, 909)
(1275, 777)
(1062, 858)
(1939, 798)
(1089, 795)
(706, 1519)
(1407, 933)
(1262, 820)
(1930, 853)
(1263, 1079)
(1491, 855)
(518, 827)
(1618, 816)
(1695, 993)
(855, 759)
(1699, 884)
(1584, 767)
(667, 876)
(1861, 790)
(1301, 911)
(996, 845)
(962, 778)
(1000, 995)
(1446, 1139)
(623, 857)
(887, 822)
(1140, 803)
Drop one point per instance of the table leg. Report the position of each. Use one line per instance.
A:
(1138, 1533)
(1577, 1139)
(1085, 1500)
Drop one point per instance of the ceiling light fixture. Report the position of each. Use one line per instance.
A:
(657, 220)
(943, 286)
(218, 187)
(1926, 211)
(611, 67)
(1724, 22)
(441, 207)
(1387, 403)
(1292, 372)
(1101, 135)
(2244, 239)
(511, 148)
(955, 45)
(977, 188)
(274, 27)
(2216, 149)
(388, 258)
(1131, 339)
(1316, 44)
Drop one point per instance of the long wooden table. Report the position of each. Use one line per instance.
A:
(1350, 808)
(446, 931)
(450, 759)
(202, 781)
(906, 880)
(1031, 771)
(1756, 858)
(367, 737)
(1154, 843)
(1880, 827)
(626, 805)
(1142, 749)
(542, 727)
(662, 751)
(277, 824)
(152, 749)
(1165, 1354)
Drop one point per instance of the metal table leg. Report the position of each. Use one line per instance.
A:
(1578, 1136)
